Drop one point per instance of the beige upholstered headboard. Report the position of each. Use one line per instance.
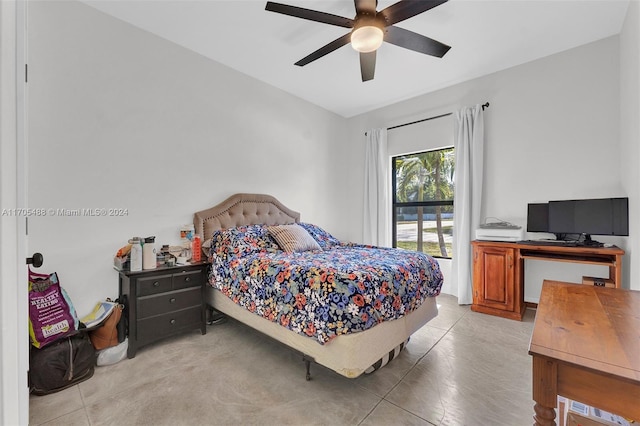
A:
(243, 209)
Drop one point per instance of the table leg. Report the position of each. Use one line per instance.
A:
(545, 416)
(545, 390)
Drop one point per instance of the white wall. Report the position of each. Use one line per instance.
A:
(552, 132)
(120, 118)
(630, 130)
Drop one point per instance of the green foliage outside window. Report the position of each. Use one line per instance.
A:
(424, 193)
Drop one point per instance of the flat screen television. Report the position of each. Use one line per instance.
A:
(603, 216)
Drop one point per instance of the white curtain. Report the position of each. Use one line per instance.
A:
(377, 204)
(469, 145)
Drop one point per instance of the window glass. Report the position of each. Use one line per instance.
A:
(423, 201)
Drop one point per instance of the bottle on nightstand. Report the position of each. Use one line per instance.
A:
(196, 249)
(136, 254)
(149, 253)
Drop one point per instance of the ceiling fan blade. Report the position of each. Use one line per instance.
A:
(311, 15)
(335, 44)
(367, 65)
(405, 9)
(366, 6)
(414, 41)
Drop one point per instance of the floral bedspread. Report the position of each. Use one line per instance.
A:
(343, 288)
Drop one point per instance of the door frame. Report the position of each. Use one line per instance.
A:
(14, 339)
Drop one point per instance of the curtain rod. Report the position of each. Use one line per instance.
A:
(485, 105)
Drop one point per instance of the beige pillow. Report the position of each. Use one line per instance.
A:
(206, 246)
(293, 238)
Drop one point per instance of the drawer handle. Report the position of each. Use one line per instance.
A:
(172, 321)
(172, 300)
(187, 279)
(156, 284)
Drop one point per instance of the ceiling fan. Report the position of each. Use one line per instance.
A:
(369, 29)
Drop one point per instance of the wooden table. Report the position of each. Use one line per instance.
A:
(586, 347)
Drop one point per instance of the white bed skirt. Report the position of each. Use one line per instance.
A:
(349, 354)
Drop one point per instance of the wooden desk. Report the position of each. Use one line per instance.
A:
(586, 346)
(498, 271)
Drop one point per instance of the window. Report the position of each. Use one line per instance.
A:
(423, 201)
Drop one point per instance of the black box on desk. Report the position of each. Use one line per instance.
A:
(598, 282)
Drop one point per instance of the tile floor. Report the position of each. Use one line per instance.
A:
(462, 368)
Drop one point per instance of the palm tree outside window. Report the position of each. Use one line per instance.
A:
(423, 201)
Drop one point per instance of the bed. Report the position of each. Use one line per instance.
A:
(382, 321)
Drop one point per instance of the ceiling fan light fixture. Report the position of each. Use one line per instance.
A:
(367, 38)
(369, 29)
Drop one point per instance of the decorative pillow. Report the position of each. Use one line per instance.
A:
(206, 246)
(241, 241)
(324, 239)
(293, 238)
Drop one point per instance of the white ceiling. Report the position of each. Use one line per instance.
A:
(486, 36)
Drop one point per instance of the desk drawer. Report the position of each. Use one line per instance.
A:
(153, 285)
(169, 302)
(154, 328)
(187, 279)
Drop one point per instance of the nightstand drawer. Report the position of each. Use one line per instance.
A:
(154, 285)
(187, 279)
(154, 328)
(168, 302)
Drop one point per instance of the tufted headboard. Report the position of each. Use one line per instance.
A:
(243, 209)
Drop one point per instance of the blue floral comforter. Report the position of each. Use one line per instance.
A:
(343, 288)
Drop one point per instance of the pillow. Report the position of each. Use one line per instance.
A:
(206, 246)
(241, 241)
(293, 238)
(324, 239)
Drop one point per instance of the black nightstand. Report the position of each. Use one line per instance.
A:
(163, 302)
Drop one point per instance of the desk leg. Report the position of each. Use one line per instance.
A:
(545, 390)
(615, 272)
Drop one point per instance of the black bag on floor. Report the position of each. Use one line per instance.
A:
(61, 364)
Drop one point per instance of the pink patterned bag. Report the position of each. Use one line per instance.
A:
(51, 313)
